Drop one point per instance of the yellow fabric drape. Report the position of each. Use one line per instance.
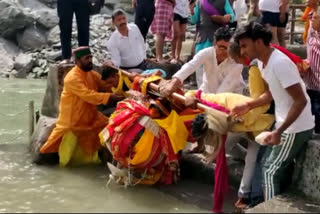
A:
(78, 112)
(254, 121)
(122, 80)
(176, 130)
(143, 148)
(70, 153)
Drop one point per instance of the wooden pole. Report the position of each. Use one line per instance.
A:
(174, 95)
(31, 119)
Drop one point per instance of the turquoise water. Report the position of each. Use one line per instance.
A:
(25, 187)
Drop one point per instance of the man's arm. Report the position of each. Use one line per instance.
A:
(114, 52)
(262, 100)
(77, 87)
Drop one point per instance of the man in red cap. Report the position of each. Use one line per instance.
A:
(75, 137)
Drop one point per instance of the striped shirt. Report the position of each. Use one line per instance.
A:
(312, 78)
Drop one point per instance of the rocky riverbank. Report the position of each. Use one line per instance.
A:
(30, 35)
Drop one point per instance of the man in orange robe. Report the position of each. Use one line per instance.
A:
(75, 137)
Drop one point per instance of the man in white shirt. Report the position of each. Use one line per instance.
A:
(294, 121)
(126, 44)
(221, 73)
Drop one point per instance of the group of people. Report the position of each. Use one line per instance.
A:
(280, 83)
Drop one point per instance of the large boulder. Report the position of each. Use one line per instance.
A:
(48, 18)
(23, 65)
(32, 38)
(54, 35)
(13, 18)
(7, 53)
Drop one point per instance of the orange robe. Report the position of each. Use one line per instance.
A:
(78, 112)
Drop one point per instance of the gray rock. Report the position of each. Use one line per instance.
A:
(38, 71)
(12, 19)
(52, 55)
(54, 35)
(7, 54)
(32, 38)
(32, 4)
(23, 65)
(48, 18)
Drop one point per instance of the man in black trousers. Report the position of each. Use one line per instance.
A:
(144, 15)
(66, 9)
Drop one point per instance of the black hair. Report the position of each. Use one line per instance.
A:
(254, 31)
(117, 12)
(199, 126)
(108, 72)
(223, 33)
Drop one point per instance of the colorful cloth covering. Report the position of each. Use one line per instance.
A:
(78, 112)
(147, 147)
(163, 19)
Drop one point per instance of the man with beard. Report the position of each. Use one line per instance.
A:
(75, 137)
(126, 44)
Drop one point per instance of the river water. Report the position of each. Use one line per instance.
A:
(26, 187)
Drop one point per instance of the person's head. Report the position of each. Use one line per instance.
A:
(235, 53)
(119, 19)
(312, 3)
(222, 37)
(83, 58)
(253, 39)
(110, 75)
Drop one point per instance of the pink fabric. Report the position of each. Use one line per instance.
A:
(163, 19)
(221, 179)
(212, 105)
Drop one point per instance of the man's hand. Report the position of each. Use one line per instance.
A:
(116, 97)
(315, 22)
(240, 110)
(108, 63)
(226, 18)
(273, 138)
(191, 102)
(172, 86)
(134, 3)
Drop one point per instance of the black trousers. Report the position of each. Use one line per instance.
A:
(66, 9)
(315, 107)
(144, 15)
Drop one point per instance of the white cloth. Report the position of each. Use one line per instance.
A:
(182, 8)
(269, 5)
(240, 8)
(280, 73)
(225, 77)
(127, 51)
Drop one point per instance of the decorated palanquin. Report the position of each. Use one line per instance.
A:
(145, 135)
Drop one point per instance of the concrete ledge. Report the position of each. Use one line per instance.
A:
(288, 203)
(308, 182)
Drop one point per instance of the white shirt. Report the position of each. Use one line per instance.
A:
(280, 73)
(127, 51)
(182, 8)
(269, 5)
(225, 77)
